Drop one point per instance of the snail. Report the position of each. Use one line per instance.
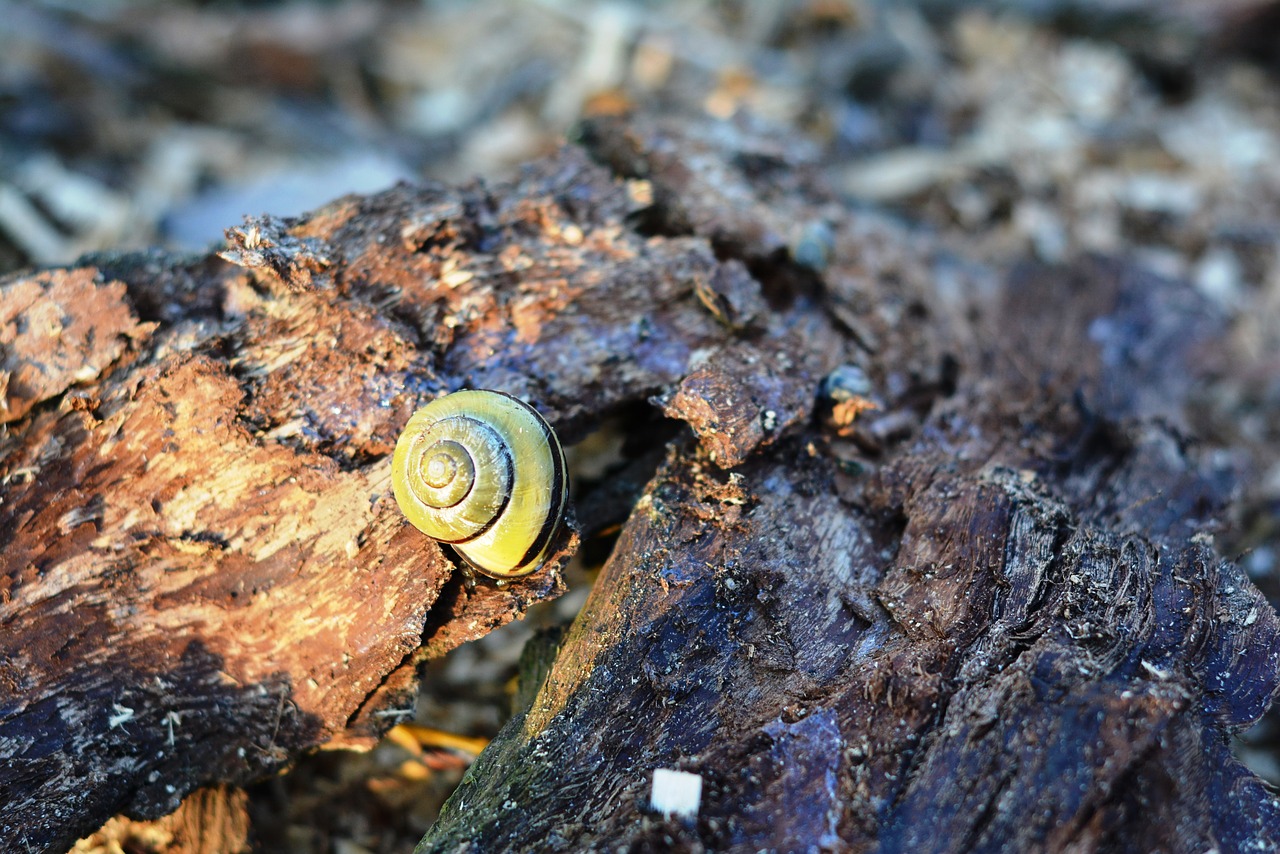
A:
(483, 472)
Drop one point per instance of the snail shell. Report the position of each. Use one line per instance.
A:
(483, 472)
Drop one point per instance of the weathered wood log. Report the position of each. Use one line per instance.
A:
(984, 613)
(1002, 628)
(203, 571)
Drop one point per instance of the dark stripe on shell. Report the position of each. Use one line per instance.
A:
(551, 520)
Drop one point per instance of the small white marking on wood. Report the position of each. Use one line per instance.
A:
(396, 713)
(1158, 672)
(123, 714)
(676, 793)
(172, 719)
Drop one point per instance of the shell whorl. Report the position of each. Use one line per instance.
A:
(484, 472)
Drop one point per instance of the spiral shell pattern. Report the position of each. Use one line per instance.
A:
(484, 472)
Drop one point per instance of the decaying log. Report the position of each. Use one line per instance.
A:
(204, 572)
(983, 611)
(1003, 627)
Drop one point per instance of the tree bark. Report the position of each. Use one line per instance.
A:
(984, 613)
(987, 616)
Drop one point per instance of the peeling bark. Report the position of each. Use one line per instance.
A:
(986, 615)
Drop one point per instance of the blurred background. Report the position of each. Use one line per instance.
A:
(1040, 129)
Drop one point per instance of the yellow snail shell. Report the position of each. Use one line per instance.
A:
(483, 472)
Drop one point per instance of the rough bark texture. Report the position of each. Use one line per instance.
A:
(990, 617)
(985, 614)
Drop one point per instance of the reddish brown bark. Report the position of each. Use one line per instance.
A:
(985, 614)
